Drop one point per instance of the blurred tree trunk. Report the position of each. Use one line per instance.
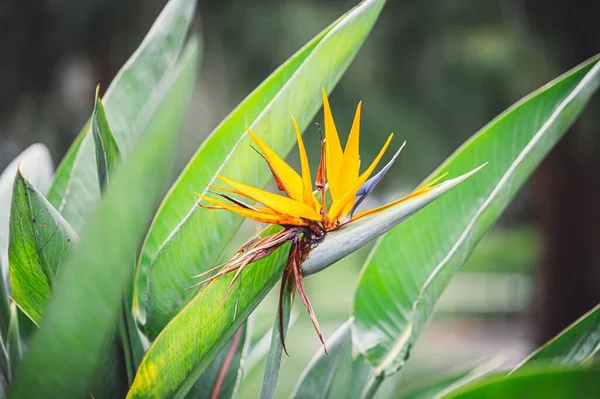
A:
(565, 198)
(566, 188)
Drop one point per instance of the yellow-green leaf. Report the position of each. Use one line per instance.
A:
(411, 265)
(39, 240)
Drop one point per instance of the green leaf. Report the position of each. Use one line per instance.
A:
(220, 145)
(362, 374)
(36, 163)
(222, 377)
(39, 240)
(64, 169)
(130, 339)
(329, 376)
(183, 350)
(361, 381)
(194, 238)
(27, 327)
(539, 383)
(108, 158)
(409, 267)
(574, 345)
(15, 349)
(131, 100)
(66, 353)
(276, 348)
(108, 154)
(446, 382)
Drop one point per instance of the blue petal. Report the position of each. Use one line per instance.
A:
(370, 184)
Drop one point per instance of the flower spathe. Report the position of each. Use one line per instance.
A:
(306, 219)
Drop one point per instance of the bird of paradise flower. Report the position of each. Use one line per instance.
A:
(305, 220)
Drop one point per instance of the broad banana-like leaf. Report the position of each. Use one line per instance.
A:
(329, 375)
(187, 345)
(193, 238)
(220, 145)
(36, 163)
(108, 158)
(131, 100)
(39, 240)
(552, 383)
(409, 268)
(574, 345)
(206, 323)
(65, 354)
(108, 154)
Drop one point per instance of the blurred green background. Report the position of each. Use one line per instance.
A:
(432, 72)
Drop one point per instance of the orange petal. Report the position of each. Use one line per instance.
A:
(229, 190)
(271, 218)
(286, 176)
(276, 202)
(336, 212)
(333, 149)
(349, 171)
(307, 191)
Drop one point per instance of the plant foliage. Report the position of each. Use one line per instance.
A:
(110, 314)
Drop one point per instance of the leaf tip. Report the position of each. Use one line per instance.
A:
(19, 171)
(477, 169)
(97, 100)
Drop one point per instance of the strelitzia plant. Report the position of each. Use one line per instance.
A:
(305, 220)
(77, 319)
